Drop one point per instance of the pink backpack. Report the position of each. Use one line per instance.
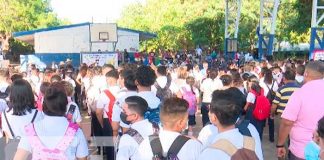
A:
(190, 97)
(58, 153)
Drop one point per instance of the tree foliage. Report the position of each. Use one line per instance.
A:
(185, 23)
(21, 15)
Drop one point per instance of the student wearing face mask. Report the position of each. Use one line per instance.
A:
(170, 143)
(134, 109)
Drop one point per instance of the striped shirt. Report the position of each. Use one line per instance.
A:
(283, 94)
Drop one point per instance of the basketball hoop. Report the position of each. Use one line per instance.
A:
(103, 36)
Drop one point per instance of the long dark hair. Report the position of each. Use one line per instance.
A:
(21, 98)
(253, 80)
(267, 73)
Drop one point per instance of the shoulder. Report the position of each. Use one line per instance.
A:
(211, 152)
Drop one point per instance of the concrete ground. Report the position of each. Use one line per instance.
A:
(269, 149)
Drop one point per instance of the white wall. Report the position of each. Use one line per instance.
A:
(76, 40)
(67, 40)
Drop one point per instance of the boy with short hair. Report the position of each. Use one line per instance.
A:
(224, 112)
(170, 143)
(104, 108)
(145, 78)
(134, 109)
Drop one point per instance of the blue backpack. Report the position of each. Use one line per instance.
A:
(153, 115)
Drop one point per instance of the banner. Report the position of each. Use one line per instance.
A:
(100, 58)
(318, 55)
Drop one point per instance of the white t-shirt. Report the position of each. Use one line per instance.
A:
(236, 138)
(103, 100)
(266, 87)
(18, 123)
(151, 99)
(162, 82)
(190, 150)
(208, 86)
(50, 134)
(3, 103)
(128, 147)
(198, 51)
(117, 109)
(71, 81)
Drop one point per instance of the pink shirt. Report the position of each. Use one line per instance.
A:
(305, 107)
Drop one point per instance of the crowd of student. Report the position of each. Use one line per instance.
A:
(149, 112)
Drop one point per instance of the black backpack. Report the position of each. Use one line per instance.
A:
(164, 93)
(271, 94)
(176, 146)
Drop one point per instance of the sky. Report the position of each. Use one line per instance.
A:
(98, 11)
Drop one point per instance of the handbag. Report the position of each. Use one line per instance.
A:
(10, 148)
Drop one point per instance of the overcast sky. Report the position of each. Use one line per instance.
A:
(78, 11)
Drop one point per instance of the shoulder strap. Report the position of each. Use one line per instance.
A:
(242, 125)
(137, 136)
(11, 131)
(177, 145)
(225, 146)
(35, 114)
(248, 143)
(156, 146)
(156, 128)
(111, 103)
(68, 136)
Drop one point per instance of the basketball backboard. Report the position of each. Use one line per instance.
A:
(103, 32)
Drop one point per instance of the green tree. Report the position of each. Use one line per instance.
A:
(20, 15)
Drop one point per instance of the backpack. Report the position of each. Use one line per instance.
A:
(153, 115)
(112, 100)
(163, 93)
(245, 153)
(262, 106)
(190, 97)
(242, 126)
(271, 94)
(41, 152)
(137, 136)
(176, 146)
(11, 147)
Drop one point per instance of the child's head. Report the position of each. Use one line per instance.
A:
(44, 86)
(226, 107)
(134, 109)
(320, 131)
(190, 80)
(112, 77)
(145, 76)
(174, 114)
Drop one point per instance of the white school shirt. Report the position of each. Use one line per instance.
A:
(17, 123)
(190, 150)
(210, 132)
(208, 86)
(50, 134)
(265, 86)
(118, 108)
(162, 82)
(151, 99)
(3, 103)
(103, 100)
(128, 147)
(236, 138)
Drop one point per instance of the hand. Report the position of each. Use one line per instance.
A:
(281, 152)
